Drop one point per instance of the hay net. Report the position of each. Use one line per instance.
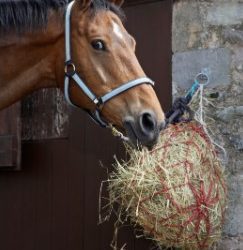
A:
(176, 192)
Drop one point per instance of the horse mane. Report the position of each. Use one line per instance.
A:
(30, 15)
(26, 15)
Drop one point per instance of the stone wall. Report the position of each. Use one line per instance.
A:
(209, 34)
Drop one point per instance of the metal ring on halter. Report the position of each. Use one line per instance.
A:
(69, 68)
(98, 102)
(202, 79)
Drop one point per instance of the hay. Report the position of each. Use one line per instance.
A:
(176, 192)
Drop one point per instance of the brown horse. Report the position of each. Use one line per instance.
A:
(101, 53)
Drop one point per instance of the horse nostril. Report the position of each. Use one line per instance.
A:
(143, 129)
(147, 122)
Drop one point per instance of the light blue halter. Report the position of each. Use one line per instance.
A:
(70, 72)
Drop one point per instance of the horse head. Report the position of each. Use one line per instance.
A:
(103, 55)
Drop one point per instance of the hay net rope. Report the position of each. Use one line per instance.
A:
(199, 105)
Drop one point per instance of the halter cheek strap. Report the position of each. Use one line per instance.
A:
(70, 73)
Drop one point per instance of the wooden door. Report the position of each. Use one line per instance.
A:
(52, 203)
(10, 138)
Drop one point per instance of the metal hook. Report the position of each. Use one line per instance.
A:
(202, 79)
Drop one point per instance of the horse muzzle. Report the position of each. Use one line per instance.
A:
(143, 130)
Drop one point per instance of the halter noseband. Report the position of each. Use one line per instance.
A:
(70, 72)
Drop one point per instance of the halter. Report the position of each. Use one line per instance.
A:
(70, 73)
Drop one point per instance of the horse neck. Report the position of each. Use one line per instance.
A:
(31, 61)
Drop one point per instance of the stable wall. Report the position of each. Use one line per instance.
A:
(209, 34)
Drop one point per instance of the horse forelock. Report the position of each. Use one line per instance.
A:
(98, 5)
(30, 15)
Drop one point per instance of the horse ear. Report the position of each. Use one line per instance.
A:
(117, 2)
(85, 4)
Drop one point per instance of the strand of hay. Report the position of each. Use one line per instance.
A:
(176, 193)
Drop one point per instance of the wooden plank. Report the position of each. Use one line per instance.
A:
(150, 24)
(11, 194)
(10, 138)
(17, 210)
(29, 176)
(44, 197)
(91, 190)
(76, 181)
(45, 115)
(7, 151)
(60, 195)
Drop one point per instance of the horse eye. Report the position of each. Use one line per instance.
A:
(98, 45)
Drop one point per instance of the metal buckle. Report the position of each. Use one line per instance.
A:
(69, 69)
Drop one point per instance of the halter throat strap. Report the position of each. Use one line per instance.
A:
(70, 73)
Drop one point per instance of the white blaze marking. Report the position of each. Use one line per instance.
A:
(102, 74)
(117, 30)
